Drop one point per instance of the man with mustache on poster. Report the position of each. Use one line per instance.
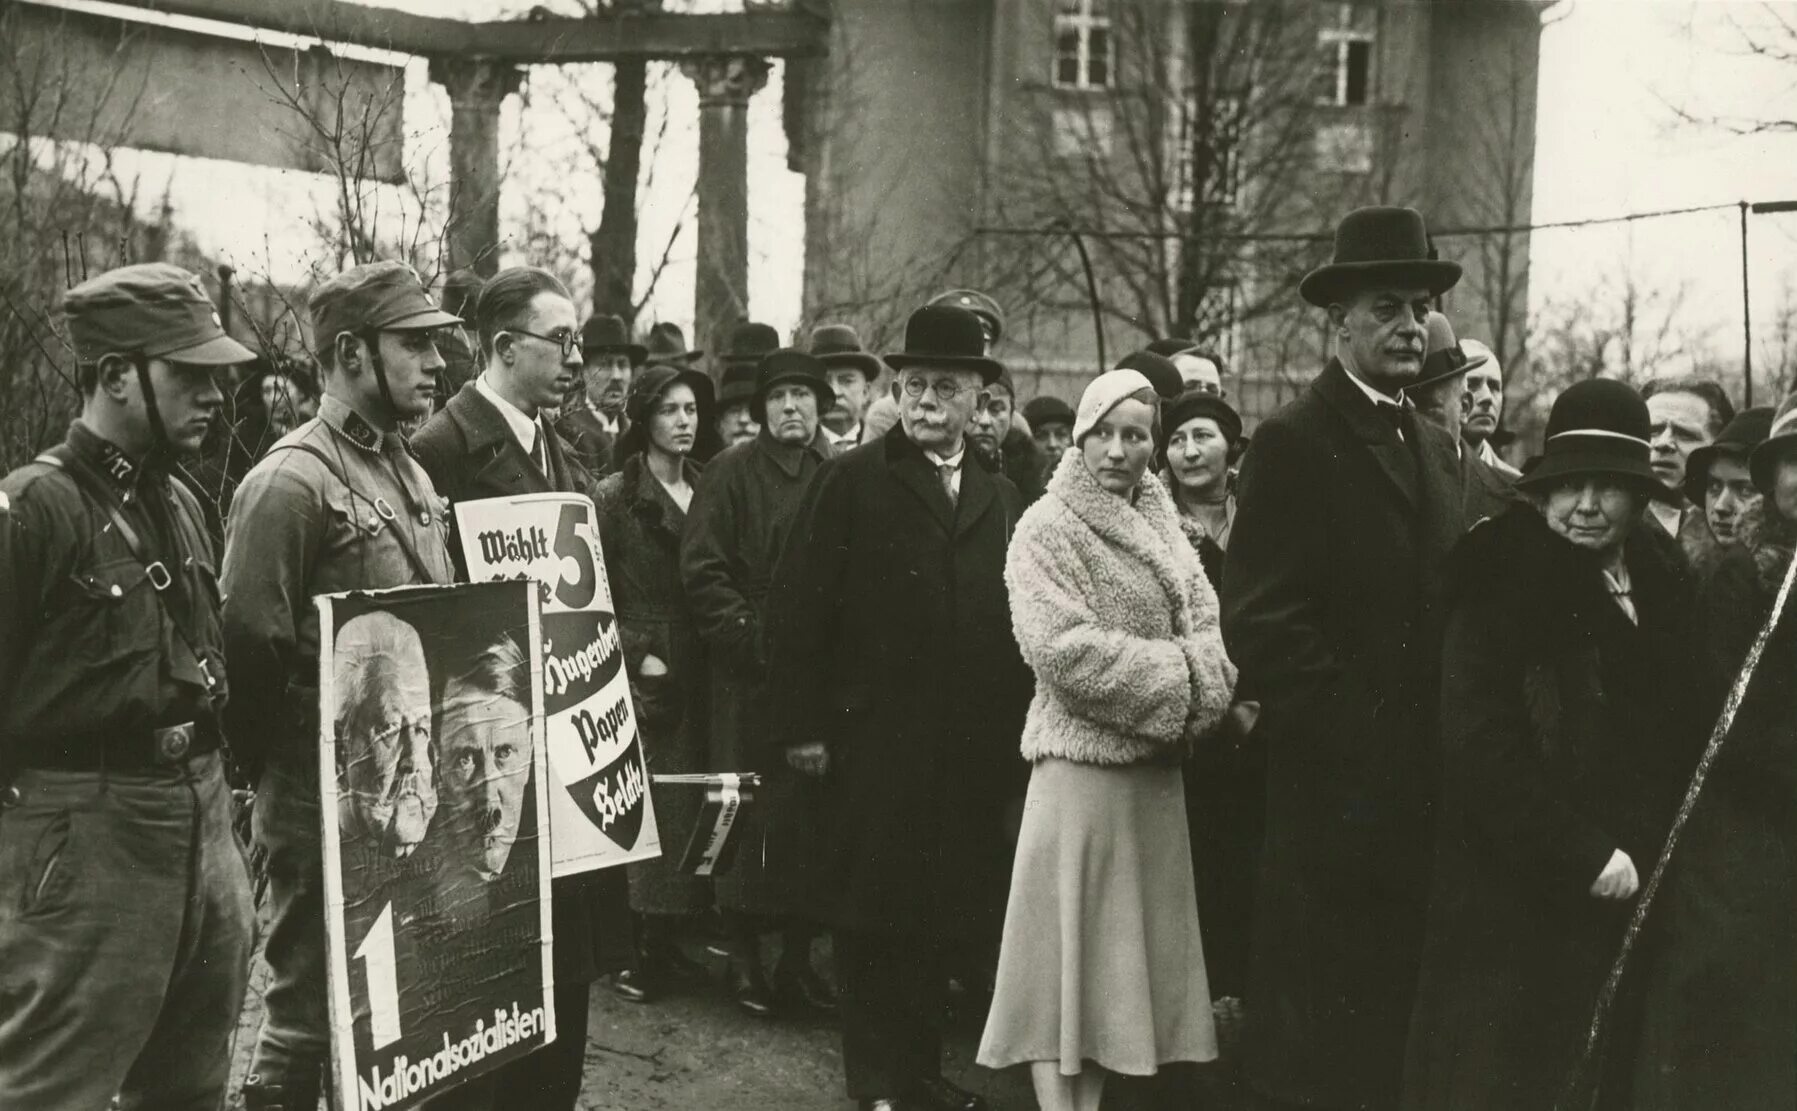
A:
(388, 791)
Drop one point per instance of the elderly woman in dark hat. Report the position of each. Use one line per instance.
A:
(1573, 708)
(642, 515)
(1720, 1018)
(1102, 968)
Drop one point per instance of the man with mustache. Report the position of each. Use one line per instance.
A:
(388, 789)
(125, 913)
(592, 416)
(1347, 506)
(338, 504)
(735, 530)
(493, 440)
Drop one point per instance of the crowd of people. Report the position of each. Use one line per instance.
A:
(1342, 753)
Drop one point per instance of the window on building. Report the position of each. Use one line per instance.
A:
(1084, 56)
(1345, 56)
(1208, 160)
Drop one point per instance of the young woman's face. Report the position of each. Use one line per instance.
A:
(1117, 448)
(674, 421)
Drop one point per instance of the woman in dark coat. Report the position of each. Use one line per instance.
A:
(1720, 1018)
(642, 515)
(1573, 709)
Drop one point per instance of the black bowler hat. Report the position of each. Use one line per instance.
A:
(736, 385)
(1598, 426)
(947, 337)
(838, 346)
(1158, 369)
(789, 364)
(748, 342)
(1744, 433)
(1379, 244)
(1047, 410)
(607, 335)
(1443, 357)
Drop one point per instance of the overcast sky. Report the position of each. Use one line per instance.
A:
(1615, 78)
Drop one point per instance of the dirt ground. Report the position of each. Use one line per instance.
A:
(694, 1050)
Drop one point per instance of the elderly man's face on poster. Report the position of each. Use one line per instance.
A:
(384, 733)
(484, 758)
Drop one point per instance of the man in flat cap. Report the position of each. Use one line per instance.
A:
(125, 911)
(337, 504)
(1347, 507)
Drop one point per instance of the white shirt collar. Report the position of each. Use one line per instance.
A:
(1373, 395)
(524, 429)
(948, 460)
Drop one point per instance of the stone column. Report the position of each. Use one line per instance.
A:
(476, 88)
(725, 84)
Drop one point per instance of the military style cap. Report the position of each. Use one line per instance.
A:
(154, 308)
(376, 295)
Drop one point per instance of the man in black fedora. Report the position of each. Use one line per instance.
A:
(592, 417)
(852, 372)
(666, 344)
(734, 366)
(1436, 396)
(735, 528)
(1347, 507)
(894, 679)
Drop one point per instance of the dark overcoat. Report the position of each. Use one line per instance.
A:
(470, 453)
(1720, 1025)
(1331, 589)
(1485, 490)
(736, 528)
(640, 528)
(1568, 732)
(589, 441)
(890, 641)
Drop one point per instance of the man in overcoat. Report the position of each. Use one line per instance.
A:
(493, 440)
(735, 529)
(1348, 505)
(895, 679)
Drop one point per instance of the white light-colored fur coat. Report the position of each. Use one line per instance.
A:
(1113, 612)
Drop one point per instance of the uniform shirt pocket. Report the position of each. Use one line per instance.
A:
(115, 598)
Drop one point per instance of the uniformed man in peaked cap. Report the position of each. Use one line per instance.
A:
(125, 912)
(337, 504)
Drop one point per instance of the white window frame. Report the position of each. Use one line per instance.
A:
(1085, 17)
(1342, 37)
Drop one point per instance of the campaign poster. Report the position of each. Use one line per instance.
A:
(433, 785)
(600, 812)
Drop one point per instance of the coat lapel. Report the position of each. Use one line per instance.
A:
(507, 469)
(907, 463)
(1391, 453)
(978, 491)
(1443, 492)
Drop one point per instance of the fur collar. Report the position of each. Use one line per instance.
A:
(1194, 532)
(1555, 585)
(1770, 539)
(1149, 530)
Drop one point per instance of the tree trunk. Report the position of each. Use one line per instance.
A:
(614, 243)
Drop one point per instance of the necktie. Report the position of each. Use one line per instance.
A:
(1394, 416)
(537, 457)
(948, 482)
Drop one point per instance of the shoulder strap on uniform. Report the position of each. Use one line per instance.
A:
(400, 534)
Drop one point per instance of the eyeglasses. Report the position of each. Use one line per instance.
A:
(569, 342)
(946, 389)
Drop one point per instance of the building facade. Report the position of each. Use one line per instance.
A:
(1180, 162)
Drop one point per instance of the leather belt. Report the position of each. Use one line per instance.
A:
(149, 749)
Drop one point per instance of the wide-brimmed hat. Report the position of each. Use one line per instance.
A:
(647, 389)
(1780, 441)
(1747, 431)
(1158, 369)
(1597, 426)
(1379, 244)
(1443, 357)
(748, 342)
(789, 364)
(976, 303)
(1047, 410)
(607, 335)
(1198, 403)
(838, 345)
(666, 343)
(949, 337)
(737, 386)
